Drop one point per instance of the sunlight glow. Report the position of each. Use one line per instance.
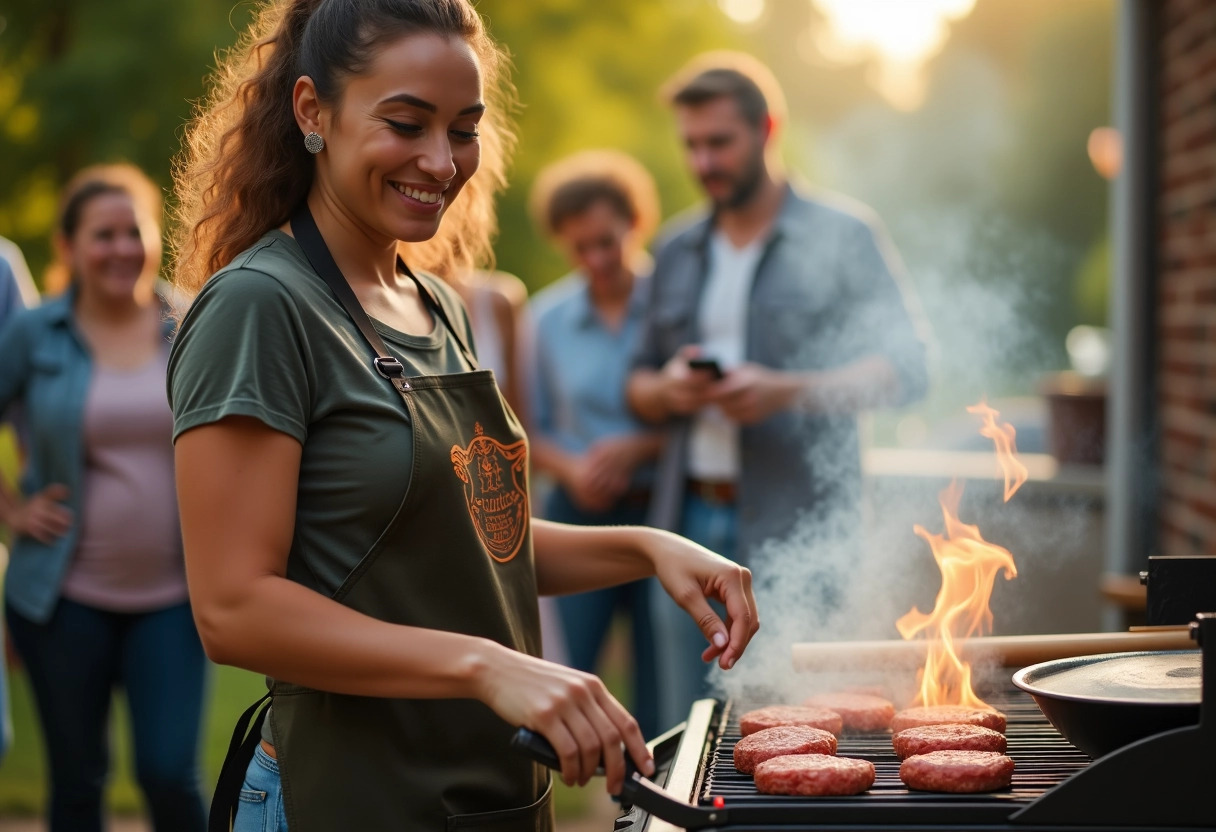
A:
(899, 35)
(1105, 148)
(742, 11)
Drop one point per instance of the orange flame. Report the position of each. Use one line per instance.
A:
(969, 566)
(1006, 449)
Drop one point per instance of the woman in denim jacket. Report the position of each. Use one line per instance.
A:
(96, 587)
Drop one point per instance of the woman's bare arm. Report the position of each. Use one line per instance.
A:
(573, 559)
(237, 483)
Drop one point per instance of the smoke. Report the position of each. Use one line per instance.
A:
(983, 282)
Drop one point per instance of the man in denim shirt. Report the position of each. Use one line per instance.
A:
(798, 304)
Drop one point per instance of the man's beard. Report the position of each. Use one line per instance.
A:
(746, 186)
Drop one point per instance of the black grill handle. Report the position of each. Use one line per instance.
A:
(541, 750)
(637, 790)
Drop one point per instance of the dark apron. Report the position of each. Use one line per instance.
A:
(457, 556)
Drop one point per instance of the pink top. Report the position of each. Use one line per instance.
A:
(129, 554)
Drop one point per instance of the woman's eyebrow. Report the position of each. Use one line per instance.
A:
(414, 101)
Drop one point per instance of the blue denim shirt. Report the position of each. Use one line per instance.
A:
(580, 366)
(11, 301)
(46, 367)
(829, 289)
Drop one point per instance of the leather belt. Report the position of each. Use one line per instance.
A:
(713, 491)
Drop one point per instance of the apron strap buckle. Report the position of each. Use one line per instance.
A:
(393, 370)
(389, 367)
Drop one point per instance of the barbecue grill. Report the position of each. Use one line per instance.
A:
(1165, 782)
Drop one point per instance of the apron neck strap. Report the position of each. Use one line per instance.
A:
(309, 238)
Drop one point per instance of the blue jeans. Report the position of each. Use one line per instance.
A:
(679, 642)
(587, 616)
(260, 808)
(74, 662)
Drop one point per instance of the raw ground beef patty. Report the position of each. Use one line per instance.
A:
(961, 772)
(948, 737)
(780, 741)
(816, 775)
(947, 714)
(859, 712)
(775, 715)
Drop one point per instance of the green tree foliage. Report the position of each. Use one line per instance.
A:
(1093, 285)
(84, 81)
(588, 75)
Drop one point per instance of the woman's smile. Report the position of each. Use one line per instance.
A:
(425, 199)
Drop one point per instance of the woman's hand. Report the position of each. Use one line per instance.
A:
(43, 516)
(690, 574)
(571, 709)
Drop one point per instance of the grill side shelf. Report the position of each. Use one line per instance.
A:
(684, 778)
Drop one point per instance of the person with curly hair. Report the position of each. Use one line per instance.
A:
(599, 207)
(353, 489)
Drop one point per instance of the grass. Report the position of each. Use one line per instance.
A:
(22, 773)
(22, 776)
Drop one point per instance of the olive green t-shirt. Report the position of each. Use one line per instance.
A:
(266, 338)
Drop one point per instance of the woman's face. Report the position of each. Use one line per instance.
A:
(404, 138)
(111, 247)
(597, 241)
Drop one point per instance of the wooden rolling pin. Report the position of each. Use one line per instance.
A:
(1008, 651)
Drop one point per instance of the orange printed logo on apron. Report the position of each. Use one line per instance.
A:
(493, 476)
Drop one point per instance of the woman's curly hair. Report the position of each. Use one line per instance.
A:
(243, 168)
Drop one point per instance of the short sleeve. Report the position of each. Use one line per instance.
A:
(241, 351)
(15, 351)
(10, 293)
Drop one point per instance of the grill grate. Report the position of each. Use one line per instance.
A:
(1042, 759)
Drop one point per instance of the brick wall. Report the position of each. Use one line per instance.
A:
(1187, 277)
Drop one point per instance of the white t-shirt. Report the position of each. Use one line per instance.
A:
(713, 452)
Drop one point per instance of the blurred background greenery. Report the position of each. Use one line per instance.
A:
(963, 122)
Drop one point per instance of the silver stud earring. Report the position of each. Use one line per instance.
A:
(313, 143)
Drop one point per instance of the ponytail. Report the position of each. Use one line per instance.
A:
(244, 169)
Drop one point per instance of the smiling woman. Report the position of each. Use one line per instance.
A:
(376, 556)
(243, 134)
(96, 589)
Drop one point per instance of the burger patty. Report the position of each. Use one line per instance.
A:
(775, 715)
(859, 712)
(814, 774)
(947, 714)
(947, 737)
(780, 741)
(960, 772)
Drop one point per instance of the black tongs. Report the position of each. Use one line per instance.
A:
(637, 790)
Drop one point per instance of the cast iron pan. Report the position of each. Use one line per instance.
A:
(1101, 703)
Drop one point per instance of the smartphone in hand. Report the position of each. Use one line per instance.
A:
(709, 365)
